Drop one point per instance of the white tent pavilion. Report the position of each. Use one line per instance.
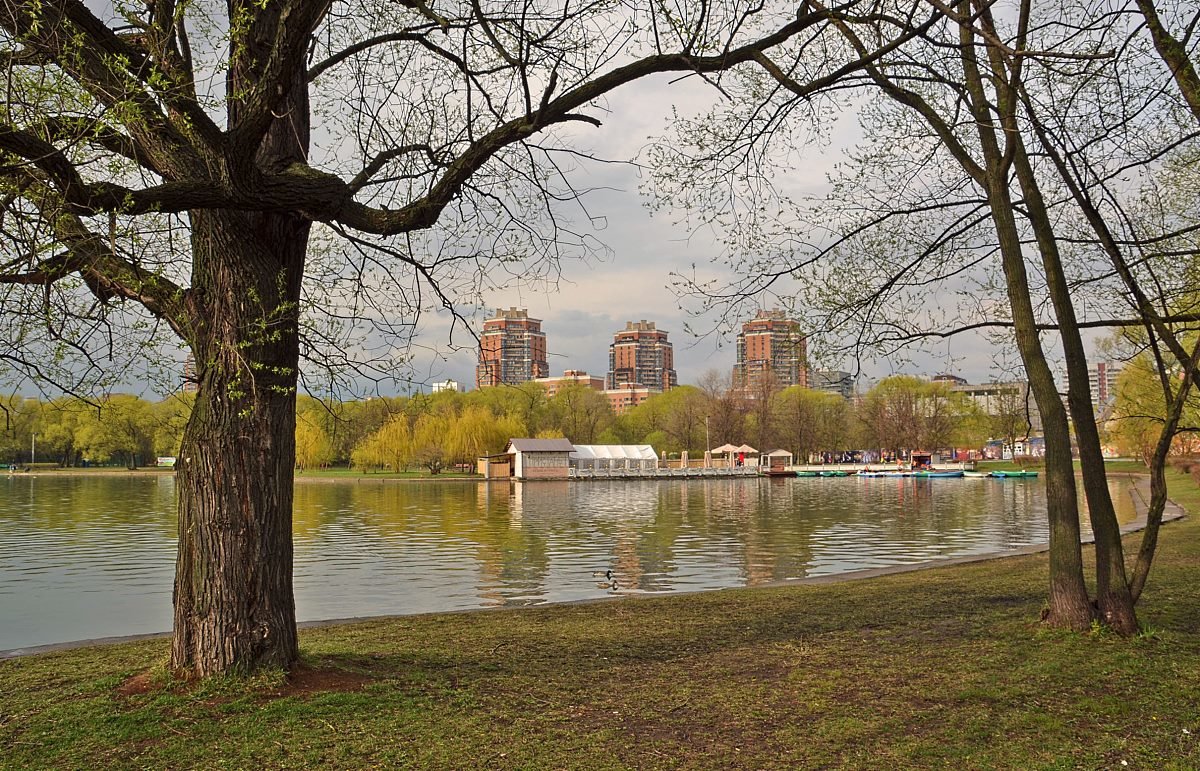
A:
(610, 457)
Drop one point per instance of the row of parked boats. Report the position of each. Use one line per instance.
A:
(922, 473)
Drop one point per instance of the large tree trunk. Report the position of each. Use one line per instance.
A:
(234, 609)
(233, 585)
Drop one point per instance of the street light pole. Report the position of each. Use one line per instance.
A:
(707, 445)
(32, 449)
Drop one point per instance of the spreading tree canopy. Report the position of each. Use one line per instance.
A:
(260, 179)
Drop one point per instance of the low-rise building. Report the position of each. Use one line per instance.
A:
(569, 377)
(628, 396)
(540, 458)
(1011, 399)
(833, 381)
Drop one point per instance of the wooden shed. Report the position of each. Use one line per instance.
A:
(540, 458)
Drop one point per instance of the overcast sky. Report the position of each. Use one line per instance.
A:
(595, 300)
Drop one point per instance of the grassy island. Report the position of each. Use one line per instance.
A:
(938, 668)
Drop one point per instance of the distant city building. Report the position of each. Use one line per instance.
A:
(191, 379)
(996, 399)
(554, 384)
(770, 346)
(1102, 380)
(628, 396)
(832, 380)
(1102, 385)
(640, 354)
(445, 385)
(512, 349)
(953, 380)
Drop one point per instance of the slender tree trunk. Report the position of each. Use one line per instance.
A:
(1112, 587)
(1069, 603)
(1113, 598)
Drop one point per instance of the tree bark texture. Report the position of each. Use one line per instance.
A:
(1113, 598)
(233, 586)
(234, 608)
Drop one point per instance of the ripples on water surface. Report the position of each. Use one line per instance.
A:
(84, 557)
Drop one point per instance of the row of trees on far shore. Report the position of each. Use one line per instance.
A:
(433, 431)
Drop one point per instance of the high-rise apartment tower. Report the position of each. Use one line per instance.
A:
(642, 355)
(512, 349)
(770, 345)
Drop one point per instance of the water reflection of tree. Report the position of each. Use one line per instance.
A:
(85, 508)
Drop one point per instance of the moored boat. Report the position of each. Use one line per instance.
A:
(938, 474)
(1014, 474)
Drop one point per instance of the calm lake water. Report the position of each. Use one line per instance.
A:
(84, 557)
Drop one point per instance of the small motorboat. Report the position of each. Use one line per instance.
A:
(1014, 474)
(938, 474)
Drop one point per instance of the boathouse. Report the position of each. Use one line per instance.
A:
(540, 458)
(776, 460)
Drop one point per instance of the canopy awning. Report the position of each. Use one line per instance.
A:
(642, 452)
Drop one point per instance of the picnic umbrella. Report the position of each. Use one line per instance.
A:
(725, 450)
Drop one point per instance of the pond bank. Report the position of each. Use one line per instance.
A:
(942, 667)
(945, 666)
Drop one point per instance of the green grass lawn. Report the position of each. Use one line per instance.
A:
(943, 668)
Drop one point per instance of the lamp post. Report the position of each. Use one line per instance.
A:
(707, 445)
(32, 449)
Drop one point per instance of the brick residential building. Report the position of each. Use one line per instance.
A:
(772, 345)
(512, 349)
(641, 355)
(627, 396)
(191, 379)
(554, 384)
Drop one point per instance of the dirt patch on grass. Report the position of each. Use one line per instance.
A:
(307, 681)
(137, 685)
(303, 681)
